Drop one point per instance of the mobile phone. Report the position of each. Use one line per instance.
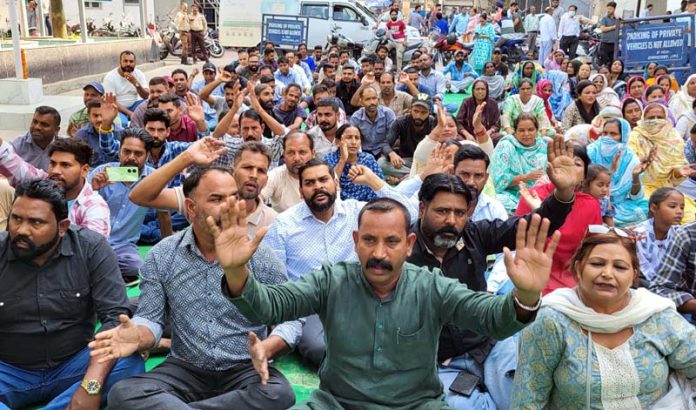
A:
(122, 174)
(465, 383)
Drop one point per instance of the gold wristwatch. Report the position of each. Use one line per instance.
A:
(92, 387)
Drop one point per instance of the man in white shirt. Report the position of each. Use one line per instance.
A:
(293, 62)
(126, 83)
(283, 186)
(569, 32)
(547, 34)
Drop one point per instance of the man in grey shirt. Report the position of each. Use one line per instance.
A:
(416, 19)
(44, 128)
(558, 11)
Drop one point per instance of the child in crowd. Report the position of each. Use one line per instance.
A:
(655, 234)
(598, 184)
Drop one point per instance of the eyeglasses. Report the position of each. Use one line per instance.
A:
(603, 229)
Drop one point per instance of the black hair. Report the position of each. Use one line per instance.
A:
(348, 67)
(156, 114)
(229, 85)
(581, 152)
(252, 115)
(327, 66)
(45, 109)
(525, 116)
(230, 68)
(342, 129)
(157, 81)
(659, 196)
(46, 190)
(97, 104)
(368, 59)
(526, 81)
(283, 60)
(79, 148)
(652, 89)
(138, 133)
(193, 179)
(255, 147)
(343, 51)
(436, 183)
(290, 86)
(268, 51)
(320, 89)
(328, 102)
(170, 98)
(389, 73)
(296, 134)
(328, 83)
(126, 53)
(663, 68)
(593, 171)
(470, 152)
(266, 79)
(369, 87)
(383, 206)
(582, 85)
(311, 164)
(693, 130)
(180, 71)
(611, 4)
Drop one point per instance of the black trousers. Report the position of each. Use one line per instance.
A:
(606, 54)
(198, 41)
(176, 384)
(569, 45)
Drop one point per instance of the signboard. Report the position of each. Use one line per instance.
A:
(285, 31)
(663, 43)
(240, 20)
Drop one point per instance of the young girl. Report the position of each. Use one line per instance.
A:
(598, 184)
(665, 82)
(655, 234)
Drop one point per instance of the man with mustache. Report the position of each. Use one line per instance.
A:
(221, 104)
(324, 133)
(318, 230)
(126, 217)
(209, 365)
(126, 82)
(281, 188)
(251, 69)
(68, 168)
(57, 282)
(399, 101)
(373, 120)
(90, 133)
(44, 129)
(347, 87)
(158, 87)
(471, 166)
(289, 111)
(409, 129)
(448, 241)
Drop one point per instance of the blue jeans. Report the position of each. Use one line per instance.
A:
(124, 118)
(21, 388)
(496, 373)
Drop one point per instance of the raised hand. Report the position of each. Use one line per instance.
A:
(194, 107)
(259, 356)
(233, 246)
(616, 159)
(253, 98)
(530, 197)
(343, 155)
(529, 270)
(439, 162)
(206, 150)
(100, 180)
(195, 72)
(109, 110)
(436, 133)
(131, 79)
(121, 341)
(361, 175)
(478, 114)
(561, 168)
(403, 78)
(369, 78)
(642, 166)
(224, 76)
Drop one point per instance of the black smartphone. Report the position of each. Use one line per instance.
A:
(465, 383)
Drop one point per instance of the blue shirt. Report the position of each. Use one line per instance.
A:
(436, 81)
(207, 331)
(90, 135)
(350, 190)
(126, 217)
(457, 74)
(310, 63)
(442, 26)
(303, 243)
(198, 85)
(290, 78)
(374, 134)
(460, 23)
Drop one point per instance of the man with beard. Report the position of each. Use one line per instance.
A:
(44, 129)
(185, 127)
(209, 366)
(446, 240)
(126, 82)
(318, 231)
(471, 166)
(68, 167)
(461, 73)
(346, 88)
(432, 79)
(126, 217)
(324, 133)
(288, 111)
(383, 57)
(374, 121)
(158, 87)
(221, 104)
(409, 130)
(320, 92)
(389, 96)
(269, 59)
(281, 188)
(250, 70)
(263, 103)
(409, 81)
(56, 282)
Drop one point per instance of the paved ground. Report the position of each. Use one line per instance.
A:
(170, 63)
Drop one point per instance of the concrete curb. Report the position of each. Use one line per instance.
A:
(61, 87)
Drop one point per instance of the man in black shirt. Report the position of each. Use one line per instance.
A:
(446, 240)
(347, 88)
(56, 280)
(409, 130)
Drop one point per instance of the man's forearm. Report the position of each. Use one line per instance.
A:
(275, 346)
(208, 89)
(224, 125)
(98, 371)
(152, 185)
(143, 92)
(688, 307)
(236, 279)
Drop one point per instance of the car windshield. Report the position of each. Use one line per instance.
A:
(366, 10)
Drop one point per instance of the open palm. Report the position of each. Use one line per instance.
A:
(206, 150)
(121, 341)
(233, 247)
(530, 268)
(259, 356)
(562, 170)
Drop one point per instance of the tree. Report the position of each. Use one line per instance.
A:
(58, 19)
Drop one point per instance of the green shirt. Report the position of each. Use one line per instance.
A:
(380, 352)
(81, 117)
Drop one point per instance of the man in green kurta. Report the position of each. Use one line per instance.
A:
(382, 316)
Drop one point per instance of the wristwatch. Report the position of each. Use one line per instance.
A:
(92, 387)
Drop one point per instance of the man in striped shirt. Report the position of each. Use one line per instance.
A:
(68, 167)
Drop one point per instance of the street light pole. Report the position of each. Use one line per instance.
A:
(16, 52)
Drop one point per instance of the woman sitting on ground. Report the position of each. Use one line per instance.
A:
(525, 102)
(584, 109)
(490, 116)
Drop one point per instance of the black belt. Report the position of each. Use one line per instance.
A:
(196, 31)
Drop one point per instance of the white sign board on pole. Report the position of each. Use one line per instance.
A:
(240, 20)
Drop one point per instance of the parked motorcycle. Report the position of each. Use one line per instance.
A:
(447, 45)
(173, 42)
(335, 38)
(589, 44)
(512, 46)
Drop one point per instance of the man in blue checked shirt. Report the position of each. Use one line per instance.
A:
(319, 230)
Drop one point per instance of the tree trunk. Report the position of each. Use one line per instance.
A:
(58, 19)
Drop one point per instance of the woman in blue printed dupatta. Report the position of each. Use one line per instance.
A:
(626, 191)
(483, 44)
(560, 97)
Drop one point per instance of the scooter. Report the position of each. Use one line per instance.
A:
(511, 45)
(335, 38)
(589, 44)
(447, 45)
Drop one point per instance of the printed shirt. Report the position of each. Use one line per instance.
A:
(676, 277)
(88, 210)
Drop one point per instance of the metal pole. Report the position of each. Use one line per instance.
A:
(143, 19)
(83, 21)
(15, 39)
